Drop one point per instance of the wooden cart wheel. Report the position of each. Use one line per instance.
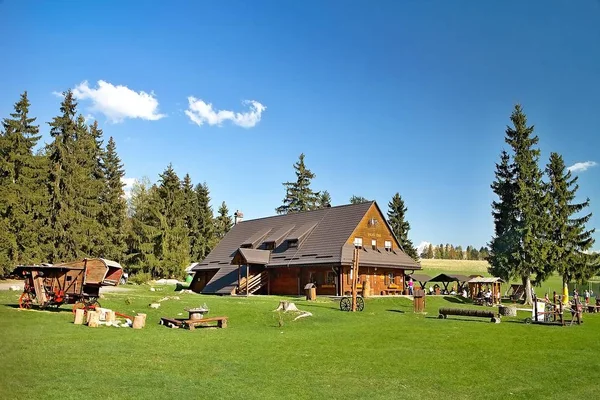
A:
(25, 301)
(79, 305)
(346, 304)
(360, 304)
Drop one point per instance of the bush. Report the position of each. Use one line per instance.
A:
(140, 278)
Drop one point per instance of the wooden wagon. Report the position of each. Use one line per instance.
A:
(76, 283)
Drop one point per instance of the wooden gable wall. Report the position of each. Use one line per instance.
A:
(379, 232)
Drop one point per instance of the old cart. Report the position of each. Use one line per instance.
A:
(76, 283)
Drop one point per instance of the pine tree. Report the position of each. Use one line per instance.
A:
(474, 254)
(430, 251)
(89, 182)
(483, 253)
(357, 199)
(400, 226)
(206, 226)
(113, 213)
(324, 199)
(504, 244)
(143, 235)
(223, 222)
(459, 254)
(298, 195)
(173, 249)
(64, 244)
(571, 241)
(441, 252)
(21, 191)
(191, 215)
(529, 256)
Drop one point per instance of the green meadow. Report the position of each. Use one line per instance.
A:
(386, 351)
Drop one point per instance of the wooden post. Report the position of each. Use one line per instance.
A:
(94, 318)
(138, 322)
(355, 277)
(247, 279)
(239, 277)
(79, 315)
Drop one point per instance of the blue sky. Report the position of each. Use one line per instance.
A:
(382, 97)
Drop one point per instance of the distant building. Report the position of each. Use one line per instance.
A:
(281, 254)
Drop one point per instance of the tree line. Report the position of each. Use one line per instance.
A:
(450, 252)
(539, 226)
(65, 201)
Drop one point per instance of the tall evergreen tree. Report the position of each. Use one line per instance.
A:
(357, 199)
(21, 196)
(400, 226)
(206, 226)
(529, 257)
(143, 235)
(223, 222)
(113, 213)
(505, 242)
(192, 217)
(459, 254)
(173, 248)
(64, 244)
(324, 199)
(571, 241)
(430, 251)
(298, 195)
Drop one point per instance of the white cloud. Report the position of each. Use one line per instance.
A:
(57, 94)
(422, 246)
(89, 118)
(128, 182)
(119, 102)
(200, 113)
(582, 166)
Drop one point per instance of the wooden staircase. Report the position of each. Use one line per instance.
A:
(254, 284)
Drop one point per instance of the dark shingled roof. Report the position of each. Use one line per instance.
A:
(321, 235)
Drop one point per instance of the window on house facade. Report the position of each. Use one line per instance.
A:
(270, 246)
(374, 244)
(390, 278)
(292, 243)
(357, 242)
(388, 245)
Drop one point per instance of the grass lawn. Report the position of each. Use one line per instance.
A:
(384, 352)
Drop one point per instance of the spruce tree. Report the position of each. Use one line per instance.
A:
(206, 226)
(143, 235)
(113, 211)
(459, 254)
(22, 207)
(528, 250)
(173, 248)
(223, 222)
(400, 227)
(430, 251)
(324, 199)
(298, 195)
(357, 199)
(64, 243)
(192, 217)
(571, 241)
(505, 242)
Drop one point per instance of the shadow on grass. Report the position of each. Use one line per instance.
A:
(457, 300)
(36, 308)
(397, 311)
(484, 320)
(322, 305)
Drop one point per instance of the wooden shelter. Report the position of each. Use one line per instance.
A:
(477, 285)
(282, 254)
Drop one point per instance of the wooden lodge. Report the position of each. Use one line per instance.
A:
(282, 254)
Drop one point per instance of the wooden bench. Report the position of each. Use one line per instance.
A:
(221, 322)
(391, 291)
(192, 323)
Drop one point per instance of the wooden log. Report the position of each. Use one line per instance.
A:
(111, 316)
(507, 311)
(465, 312)
(79, 316)
(94, 319)
(138, 322)
(144, 319)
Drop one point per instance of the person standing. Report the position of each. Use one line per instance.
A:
(410, 287)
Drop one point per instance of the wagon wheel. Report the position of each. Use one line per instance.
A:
(360, 304)
(92, 303)
(79, 305)
(346, 304)
(25, 301)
